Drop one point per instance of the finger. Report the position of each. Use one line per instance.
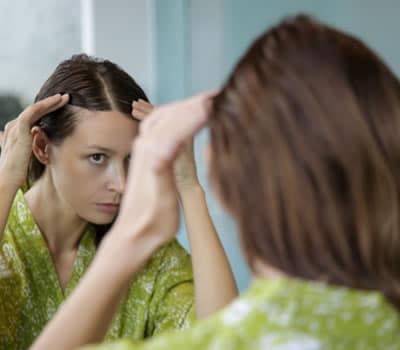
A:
(8, 127)
(1, 139)
(139, 114)
(156, 155)
(209, 94)
(145, 106)
(34, 112)
(62, 103)
(173, 142)
(162, 124)
(167, 157)
(137, 106)
(140, 103)
(188, 127)
(153, 118)
(148, 123)
(161, 127)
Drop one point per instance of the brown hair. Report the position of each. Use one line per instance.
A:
(93, 84)
(306, 156)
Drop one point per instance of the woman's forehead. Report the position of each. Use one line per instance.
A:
(104, 128)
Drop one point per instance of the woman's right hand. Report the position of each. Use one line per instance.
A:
(16, 140)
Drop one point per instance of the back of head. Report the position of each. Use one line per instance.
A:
(306, 155)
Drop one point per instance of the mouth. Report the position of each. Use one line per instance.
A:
(108, 207)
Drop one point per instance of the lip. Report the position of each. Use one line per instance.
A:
(107, 207)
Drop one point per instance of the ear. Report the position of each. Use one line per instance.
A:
(40, 145)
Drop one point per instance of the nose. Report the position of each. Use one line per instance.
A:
(117, 179)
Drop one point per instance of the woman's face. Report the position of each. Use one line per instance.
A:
(90, 166)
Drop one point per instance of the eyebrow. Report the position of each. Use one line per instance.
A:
(104, 149)
(100, 148)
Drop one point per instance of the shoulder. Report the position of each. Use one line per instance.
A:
(171, 255)
(170, 263)
(20, 216)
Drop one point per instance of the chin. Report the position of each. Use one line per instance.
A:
(102, 222)
(100, 219)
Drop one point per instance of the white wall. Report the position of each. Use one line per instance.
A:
(123, 33)
(34, 37)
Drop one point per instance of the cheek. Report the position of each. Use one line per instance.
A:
(76, 178)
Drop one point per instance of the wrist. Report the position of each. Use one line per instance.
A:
(129, 251)
(189, 188)
(9, 180)
(8, 188)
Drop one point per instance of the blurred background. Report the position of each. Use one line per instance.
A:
(173, 48)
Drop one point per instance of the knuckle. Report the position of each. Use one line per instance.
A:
(34, 108)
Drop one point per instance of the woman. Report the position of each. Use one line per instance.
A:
(80, 145)
(305, 155)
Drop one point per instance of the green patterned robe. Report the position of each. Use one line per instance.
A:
(288, 314)
(160, 298)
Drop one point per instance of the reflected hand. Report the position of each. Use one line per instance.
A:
(16, 139)
(149, 205)
(185, 165)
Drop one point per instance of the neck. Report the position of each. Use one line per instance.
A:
(262, 270)
(60, 225)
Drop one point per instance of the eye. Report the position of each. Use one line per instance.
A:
(97, 158)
